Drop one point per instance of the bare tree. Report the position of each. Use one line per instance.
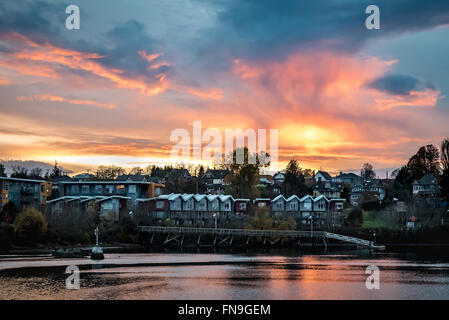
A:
(36, 173)
(19, 172)
(367, 171)
(445, 154)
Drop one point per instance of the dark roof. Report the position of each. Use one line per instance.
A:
(175, 174)
(347, 175)
(133, 177)
(216, 174)
(371, 183)
(84, 176)
(426, 179)
(60, 178)
(325, 174)
(23, 179)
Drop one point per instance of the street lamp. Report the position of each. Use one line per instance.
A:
(215, 217)
(311, 224)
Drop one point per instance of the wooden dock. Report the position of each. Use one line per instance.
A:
(226, 236)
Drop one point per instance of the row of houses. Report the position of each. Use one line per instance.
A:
(106, 197)
(200, 209)
(130, 193)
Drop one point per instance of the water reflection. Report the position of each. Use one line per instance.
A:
(245, 275)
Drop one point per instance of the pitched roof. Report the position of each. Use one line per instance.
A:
(325, 174)
(278, 197)
(306, 197)
(292, 197)
(347, 175)
(177, 173)
(216, 173)
(133, 177)
(319, 198)
(427, 179)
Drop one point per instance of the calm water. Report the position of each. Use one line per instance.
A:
(272, 275)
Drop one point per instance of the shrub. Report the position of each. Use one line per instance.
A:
(6, 235)
(355, 217)
(261, 219)
(72, 226)
(9, 212)
(30, 225)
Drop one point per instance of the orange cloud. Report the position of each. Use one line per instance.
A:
(212, 94)
(50, 56)
(148, 57)
(4, 81)
(47, 97)
(427, 98)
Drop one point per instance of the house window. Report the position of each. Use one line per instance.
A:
(160, 204)
(85, 189)
(132, 188)
(261, 204)
(109, 189)
(107, 205)
(98, 188)
(243, 206)
(75, 189)
(5, 185)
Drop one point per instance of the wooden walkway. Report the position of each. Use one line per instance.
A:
(177, 234)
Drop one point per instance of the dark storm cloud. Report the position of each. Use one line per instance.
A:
(122, 44)
(266, 28)
(45, 22)
(33, 18)
(400, 84)
(252, 29)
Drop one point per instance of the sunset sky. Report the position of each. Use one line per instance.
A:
(113, 91)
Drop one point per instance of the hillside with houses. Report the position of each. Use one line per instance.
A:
(413, 198)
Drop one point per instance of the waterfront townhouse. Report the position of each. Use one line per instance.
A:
(112, 208)
(24, 192)
(308, 210)
(262, 202)
(131, 189)
(111, 199)
(305, 211)
(241, 206)
(193, 209)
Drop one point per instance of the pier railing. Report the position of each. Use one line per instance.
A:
(255, 233)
